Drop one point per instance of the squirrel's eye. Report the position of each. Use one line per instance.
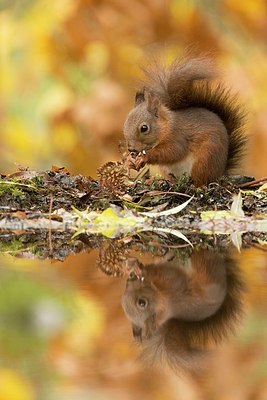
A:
(142, 302)
(144, 128)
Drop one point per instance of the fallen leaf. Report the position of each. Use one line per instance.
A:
(236, 238)
(236, 207)
(20, 214)
(60, 169)
(263, 187)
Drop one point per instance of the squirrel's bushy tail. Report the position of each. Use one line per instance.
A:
(191, 83)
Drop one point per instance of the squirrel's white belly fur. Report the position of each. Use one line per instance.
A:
(179, 168)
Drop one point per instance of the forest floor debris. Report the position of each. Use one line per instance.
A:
(56, 201)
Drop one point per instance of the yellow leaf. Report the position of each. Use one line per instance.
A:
(14, 387)
(207, 215)
(111, 224)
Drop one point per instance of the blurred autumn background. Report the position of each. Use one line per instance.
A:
(68, 69)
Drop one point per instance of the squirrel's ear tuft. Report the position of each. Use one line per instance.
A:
(139, 97)
(153, 104)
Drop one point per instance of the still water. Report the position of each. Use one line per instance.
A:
(134, 319)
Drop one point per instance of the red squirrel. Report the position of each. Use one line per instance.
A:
(185, 122)
(179, 308)
(191, 291)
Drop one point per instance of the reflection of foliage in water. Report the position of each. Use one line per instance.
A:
(30, 314)
(38, 317)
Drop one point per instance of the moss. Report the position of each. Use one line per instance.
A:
(11, 189)
(37, 180)
(12, 246)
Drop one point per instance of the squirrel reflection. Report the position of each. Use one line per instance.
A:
(179, 308)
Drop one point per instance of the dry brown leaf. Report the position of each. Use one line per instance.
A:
(60, 169)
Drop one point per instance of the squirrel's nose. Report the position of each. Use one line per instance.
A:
(131, 146)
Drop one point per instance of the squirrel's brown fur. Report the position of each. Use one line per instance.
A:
(187, 305)
(195, 123)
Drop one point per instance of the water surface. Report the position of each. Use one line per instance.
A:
(123, 319)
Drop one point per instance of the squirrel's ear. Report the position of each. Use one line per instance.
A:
(139, 97)
(153, 104)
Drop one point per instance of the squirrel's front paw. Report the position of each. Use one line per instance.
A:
(129, 162)
(140, 161)
(136, 162)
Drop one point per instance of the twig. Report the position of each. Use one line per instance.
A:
(25, 185)
(142, 173)
(255, 245)
(259, 247)
(156, 193)
(168, 245)
(50, 230)
(260, 181)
